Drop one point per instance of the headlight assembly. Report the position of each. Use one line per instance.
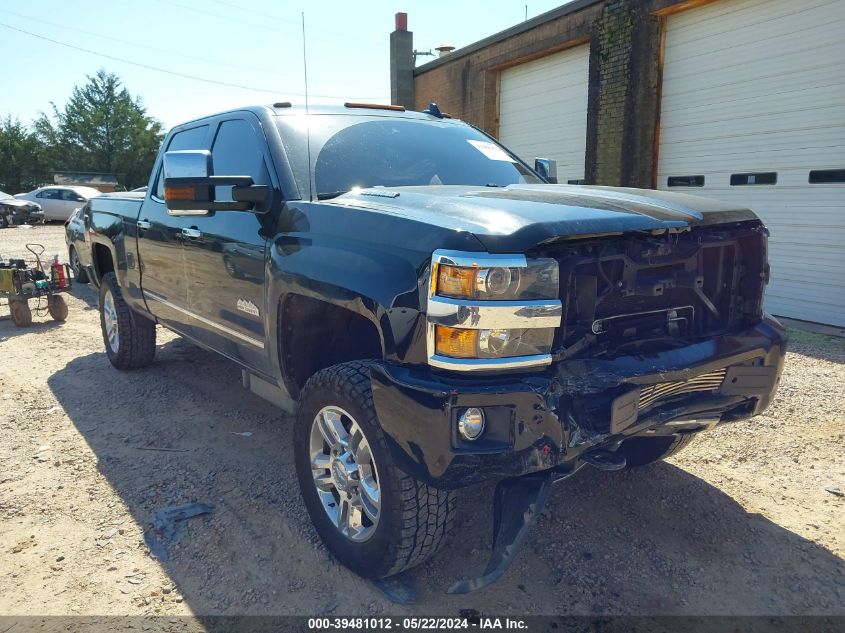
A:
(537, 279)
(489, 312)
(501, 343)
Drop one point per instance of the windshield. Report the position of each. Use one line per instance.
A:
(393, 152)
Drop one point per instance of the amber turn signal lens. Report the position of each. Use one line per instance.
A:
(179, 193)
(454, 342)
(453, 281)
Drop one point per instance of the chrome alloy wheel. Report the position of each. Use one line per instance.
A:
(110, 322)
(345, 473)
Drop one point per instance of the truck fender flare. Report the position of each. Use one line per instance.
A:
(297, 305)
(98, 243)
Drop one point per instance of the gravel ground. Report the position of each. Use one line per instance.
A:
(741, 522)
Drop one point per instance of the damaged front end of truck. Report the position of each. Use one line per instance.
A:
(655, 333)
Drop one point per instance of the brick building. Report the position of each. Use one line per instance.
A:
(742, 100)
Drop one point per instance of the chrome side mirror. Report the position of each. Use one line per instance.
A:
(190, 186)
(191, 163)
(547, 168)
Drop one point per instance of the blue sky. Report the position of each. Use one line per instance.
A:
(256, 44)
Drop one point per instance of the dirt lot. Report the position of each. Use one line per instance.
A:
(742, 522)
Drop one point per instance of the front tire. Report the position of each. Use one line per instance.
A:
(376, 519)
(641, 451)
(130, 339)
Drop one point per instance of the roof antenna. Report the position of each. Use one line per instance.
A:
(307, 112)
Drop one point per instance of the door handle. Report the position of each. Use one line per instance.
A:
(192, 234)
(144, 225)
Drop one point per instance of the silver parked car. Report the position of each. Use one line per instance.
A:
(59, 202)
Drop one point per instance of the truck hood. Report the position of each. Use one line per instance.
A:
(519, 217)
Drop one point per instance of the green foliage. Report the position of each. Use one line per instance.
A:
(22, 166)
(100, 129)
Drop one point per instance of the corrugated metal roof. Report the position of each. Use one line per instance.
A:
(83, 178)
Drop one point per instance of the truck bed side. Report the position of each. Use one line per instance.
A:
(113, 233)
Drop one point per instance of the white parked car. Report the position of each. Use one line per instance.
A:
(59, 202)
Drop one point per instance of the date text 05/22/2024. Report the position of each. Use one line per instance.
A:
(417, 623)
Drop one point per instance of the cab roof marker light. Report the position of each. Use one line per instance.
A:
(374, 106)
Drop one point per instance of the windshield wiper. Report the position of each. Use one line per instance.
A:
(328, 195)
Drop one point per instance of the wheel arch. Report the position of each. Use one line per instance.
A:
(103, 261)
(314, 334)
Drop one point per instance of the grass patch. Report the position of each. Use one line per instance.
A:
(805, 337)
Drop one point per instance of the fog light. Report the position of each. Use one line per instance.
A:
(471, 423)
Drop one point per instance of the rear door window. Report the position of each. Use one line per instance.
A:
(69, 195)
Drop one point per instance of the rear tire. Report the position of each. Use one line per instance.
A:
(413, 519)
(21, 314)
(130, 339)
(57, 307)
(79, 273)
(641, 451)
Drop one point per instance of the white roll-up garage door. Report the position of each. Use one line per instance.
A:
(753, 112)
(543, 110)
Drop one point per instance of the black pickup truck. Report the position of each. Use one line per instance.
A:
(437, 310)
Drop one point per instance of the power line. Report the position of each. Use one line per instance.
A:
(279, 18)
(168, 72)
(335, 34)
(253, 11)
(255, 25)
(140, 65)
(122, 41)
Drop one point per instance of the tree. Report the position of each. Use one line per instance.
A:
(102, 129)
(22, 166)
